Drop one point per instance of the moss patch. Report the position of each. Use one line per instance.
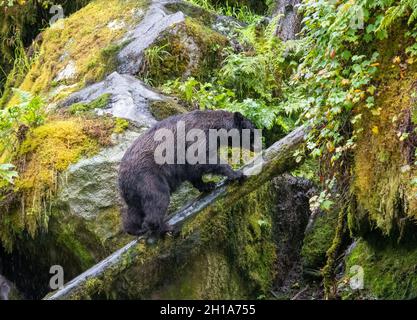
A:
(245, 231)
(383, 169)
(210, 277)
(187, 49)
(47, 151)
(318, 241)
(107, 227)
(120, 125)
(389, 270)
(81, 44)
(67, 243)
(166, 108)
(99, 103)
(21, 23)
(74, 242)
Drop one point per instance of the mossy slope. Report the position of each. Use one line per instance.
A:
(384, 205)
(84, 50)
(384, 166)
(388, 269)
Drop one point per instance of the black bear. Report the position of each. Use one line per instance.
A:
(145, 184)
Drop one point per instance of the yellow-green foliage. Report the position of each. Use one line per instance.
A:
(47, 151)
(86, 40)
(388, 270)
(382, 172)
(19, 23)
(120, 125)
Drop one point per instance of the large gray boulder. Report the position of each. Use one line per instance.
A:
(129, 100)
(156, 20)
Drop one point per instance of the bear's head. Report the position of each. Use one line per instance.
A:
(241, 122)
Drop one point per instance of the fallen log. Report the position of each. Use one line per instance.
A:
(277, 159)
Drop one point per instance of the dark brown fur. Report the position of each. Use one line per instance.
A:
(146, 186)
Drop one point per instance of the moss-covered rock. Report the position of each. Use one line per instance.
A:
(318, 241)
(20, 23)
(210, 276)
(383, 169)
(68, 243)
(84, 51)
(388, 270)
(47, 151)
(99, 103)
(166, 108)
(186, 49)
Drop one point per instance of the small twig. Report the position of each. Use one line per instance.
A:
(300, 293)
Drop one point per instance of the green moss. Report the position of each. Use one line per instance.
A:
(103, 64)
(107, 228)
(166, 108)
(120, 125)
(333, 253)
(99, 103)
(382, 169)
(210, 276)
(245, 231)
(211, 45)
(166, 59)
(20, 24)
(318, 241)
(389, 270)
(81, 42)
(69, 239)
(47, 151)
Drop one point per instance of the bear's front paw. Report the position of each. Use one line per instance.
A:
(237, 176)
(133, 230)
(207, 187)
(157, 227)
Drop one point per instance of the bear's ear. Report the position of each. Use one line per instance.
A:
(239, 119)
